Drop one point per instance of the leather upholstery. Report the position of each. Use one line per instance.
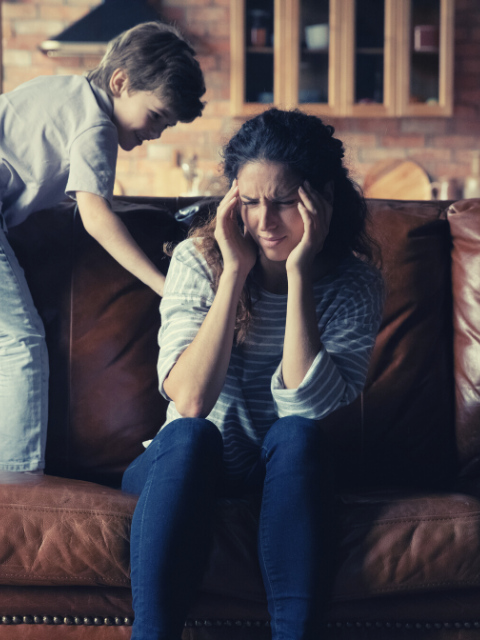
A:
(408, 526)
(400, 432)
(64, 532)
(77, 534)
(463, 218)
(102, 326)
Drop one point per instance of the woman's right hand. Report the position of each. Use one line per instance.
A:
(196, 380)
(239, 251)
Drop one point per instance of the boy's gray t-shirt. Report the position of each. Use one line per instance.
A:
(56, 137)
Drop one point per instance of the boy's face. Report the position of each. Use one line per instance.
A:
(139, 115)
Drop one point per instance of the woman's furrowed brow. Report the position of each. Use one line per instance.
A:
(281, 195)
(278, 195)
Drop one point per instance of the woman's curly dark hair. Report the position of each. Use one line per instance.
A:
(307, 146)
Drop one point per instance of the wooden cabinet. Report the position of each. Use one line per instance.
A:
(360, 58)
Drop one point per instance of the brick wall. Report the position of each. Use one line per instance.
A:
(25, 26)
(443, 146)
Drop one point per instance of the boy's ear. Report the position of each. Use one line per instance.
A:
(118, 82)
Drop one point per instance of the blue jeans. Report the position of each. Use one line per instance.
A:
(23, 370)
(178, 480)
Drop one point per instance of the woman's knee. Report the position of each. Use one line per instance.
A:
(189, 445)
(296, 434)
(193, 433)
(298, 446)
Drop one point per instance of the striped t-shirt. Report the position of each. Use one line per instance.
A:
(349, 303)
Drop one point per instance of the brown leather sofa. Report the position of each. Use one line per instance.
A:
(408, 451)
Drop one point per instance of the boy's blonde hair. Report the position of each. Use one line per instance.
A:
(156, 58)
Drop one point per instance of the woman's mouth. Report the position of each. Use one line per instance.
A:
(271, 242)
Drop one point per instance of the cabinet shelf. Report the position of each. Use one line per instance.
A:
(426, 53)
(315, 52)
(261, 50)
(370, 51)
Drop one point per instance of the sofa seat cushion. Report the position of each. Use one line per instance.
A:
(388, 543)
(55, 531)
(404, 543)
(60, 532)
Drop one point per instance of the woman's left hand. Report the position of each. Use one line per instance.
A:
(316, 214)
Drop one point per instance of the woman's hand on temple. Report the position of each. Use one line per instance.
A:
(316, 214)
(197, 378)
(302, 341)
(239, 251)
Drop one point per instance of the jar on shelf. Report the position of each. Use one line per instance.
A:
(259, 29)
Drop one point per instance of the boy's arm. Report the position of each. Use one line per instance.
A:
(107, 228)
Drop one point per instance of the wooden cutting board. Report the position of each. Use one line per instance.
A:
(397, 180)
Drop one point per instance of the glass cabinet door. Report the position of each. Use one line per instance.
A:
(252, 84)
(369, 51)
(259, 51)
(426, 58)
(309, 54)
(369, 57)
(314, 40)
(424, 52)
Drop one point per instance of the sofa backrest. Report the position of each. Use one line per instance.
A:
(102, 328)
(400, 432)
(101, 325)
(464, 219)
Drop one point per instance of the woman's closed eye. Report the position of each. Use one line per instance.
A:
(278, 203)
(285, 203)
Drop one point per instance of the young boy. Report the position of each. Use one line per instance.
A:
(59, 135)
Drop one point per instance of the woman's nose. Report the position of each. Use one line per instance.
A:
(266, 215)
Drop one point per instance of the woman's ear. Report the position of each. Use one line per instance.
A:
(328, 190)
(240, 221)
(118, 82)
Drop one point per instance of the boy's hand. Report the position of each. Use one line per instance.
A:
(107, 228)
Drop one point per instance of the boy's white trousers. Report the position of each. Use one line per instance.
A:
(23, 370)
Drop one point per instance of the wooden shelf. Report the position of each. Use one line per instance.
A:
(315, 52)
(426, 53)
(370, 51)
(262, 50)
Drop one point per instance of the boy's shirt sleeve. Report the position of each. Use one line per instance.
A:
(338, 373)
(93, 159)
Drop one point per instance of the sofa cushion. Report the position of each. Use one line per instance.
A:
(464, 219)
(400, 432)
(388, 543)
(57, 532)
(405, 543)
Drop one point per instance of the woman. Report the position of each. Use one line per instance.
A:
(268, 320)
